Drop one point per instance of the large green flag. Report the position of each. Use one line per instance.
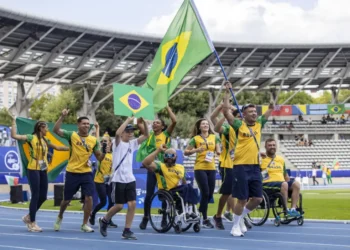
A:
(185, 44)
(130, 100)
(59, 159)
(336, 109)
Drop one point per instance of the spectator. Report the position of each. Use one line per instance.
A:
(310, 143)
(324, 175)
(324, 120)
(329, 176)
(309, 121)
(328, 118)
(274, 121)
(290, 126)
(301, 118)
(342, 119)
(314, 174)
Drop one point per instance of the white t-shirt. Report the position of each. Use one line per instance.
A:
(124, 173)
(314, 172)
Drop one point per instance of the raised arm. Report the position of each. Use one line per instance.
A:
(218, 126)
(57, 128)
(14, 134)
(145, 134)
(227, 107)
(149, 163)
(121, 129)
(215, 114)
(172, 116)
(269, 111)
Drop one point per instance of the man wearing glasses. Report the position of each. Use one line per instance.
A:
(79, 167)
(247, 183)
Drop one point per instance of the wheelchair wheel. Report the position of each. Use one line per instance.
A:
(162, 220)
(260, 214)
(278, 206)
(277, 222)
(197, 228)
(300, 221)
(178, 228)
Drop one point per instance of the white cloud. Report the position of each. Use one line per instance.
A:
(259, 21)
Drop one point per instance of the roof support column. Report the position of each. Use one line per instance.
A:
(20, 107)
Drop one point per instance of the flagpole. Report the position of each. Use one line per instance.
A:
(225, 76)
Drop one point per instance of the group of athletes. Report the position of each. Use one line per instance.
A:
(243, 168)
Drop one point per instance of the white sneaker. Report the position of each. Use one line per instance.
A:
(236, 231)
(242, 226)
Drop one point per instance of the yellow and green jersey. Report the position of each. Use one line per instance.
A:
(104, 168)
(276, 170)
(209, 145)
(228, 142)
(37, 152)
(246, 151)
(169, 177)
(81, 149)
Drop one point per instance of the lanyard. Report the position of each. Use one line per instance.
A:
(84, 144)
(205, 140)
(256, 141)
(271, 162)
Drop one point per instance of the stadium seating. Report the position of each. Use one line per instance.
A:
(304, 126)
(323, 151)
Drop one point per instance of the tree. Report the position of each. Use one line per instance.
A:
(5, 117)
(107, 120)
(185, 124)
(299, 98)
(325, 98)
(254, 97)
(343, 95)
(38, 106)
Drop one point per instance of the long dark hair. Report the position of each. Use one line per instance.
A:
(196, 130)
(37, 127)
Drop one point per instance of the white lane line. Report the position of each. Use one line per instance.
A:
(112, 241)
(15, 247)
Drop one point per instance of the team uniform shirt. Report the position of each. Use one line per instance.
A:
(162, 138)
(246, 151)
(202, 158)
(81, 149)
(37, 153)
(228, 142)
(104, 169)
(169, 177)
(275, 171)
(124, 173)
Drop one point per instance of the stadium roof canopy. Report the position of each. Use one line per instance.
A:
(46, 51)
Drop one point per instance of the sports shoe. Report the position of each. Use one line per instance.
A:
(128, 235)
(92, 220)
(103, 227)
(293, 213)
(218, 223)
(248, 223)
(143, 223)
(228, 216)
(236, 231)
(207, 224)
(86, 229)
(57, 225)
(242, 226)
(112, 224)
(26, 220)
(33, 227)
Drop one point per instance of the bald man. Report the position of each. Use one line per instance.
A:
(169, 176)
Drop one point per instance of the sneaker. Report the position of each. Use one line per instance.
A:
(143, 223)
(236, 231)
(207, 224)
(228, 216)
(128, 235)
(248, 223)
(103, 227)
(293, 213)
(242, 226)
(218, 223)
(57, 225)
(92, 220)
(112, 224)
(26, 220)
(33, 227)
(86, 229)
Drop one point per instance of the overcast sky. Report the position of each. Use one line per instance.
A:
(270, 21)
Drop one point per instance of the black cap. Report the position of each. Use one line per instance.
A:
(129, 127)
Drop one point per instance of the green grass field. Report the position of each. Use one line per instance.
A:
(318, 204)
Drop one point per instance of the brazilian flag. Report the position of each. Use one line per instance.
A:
(59, 159)
(185, 44)
(336, 109)
(130, 100)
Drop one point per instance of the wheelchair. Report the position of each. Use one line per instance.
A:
(171, 214)
(274, 200)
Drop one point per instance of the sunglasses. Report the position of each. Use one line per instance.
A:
(167, 155)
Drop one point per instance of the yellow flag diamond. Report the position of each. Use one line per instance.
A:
(134, 101)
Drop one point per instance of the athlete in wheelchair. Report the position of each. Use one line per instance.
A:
(177, 202)
(277, 191)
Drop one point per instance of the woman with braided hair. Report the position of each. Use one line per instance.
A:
(36, 169)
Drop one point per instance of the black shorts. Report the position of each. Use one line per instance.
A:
(247, 182)
(74, 181)
(123, 192)
(227, 181)
(274, 185)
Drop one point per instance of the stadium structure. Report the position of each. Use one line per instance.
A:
(41, 51)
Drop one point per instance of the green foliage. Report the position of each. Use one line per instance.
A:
(38, 106)
(300, 98)
(325, 98)
(5, 117)
(257, 98)
(185, 124)
(343, 95)
(107, 120)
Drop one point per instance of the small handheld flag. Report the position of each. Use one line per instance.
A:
(336, 164)
(130, 100)
(12, 180)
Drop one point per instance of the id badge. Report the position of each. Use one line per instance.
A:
(232, 154)
(106, 179)
(265, 175)
(89, 163)
(209, 156)
(42, 165)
